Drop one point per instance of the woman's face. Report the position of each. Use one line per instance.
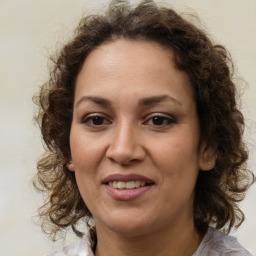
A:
(135, 138)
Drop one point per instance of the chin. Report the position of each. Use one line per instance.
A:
(126, 225)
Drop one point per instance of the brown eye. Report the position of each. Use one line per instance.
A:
(157, 120)
(95, 121)
(160, 121)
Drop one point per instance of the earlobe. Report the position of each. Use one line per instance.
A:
(207, 157)
(71, 166)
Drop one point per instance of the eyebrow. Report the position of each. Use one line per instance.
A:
(95, 99)
(144, 102)
(157, 99)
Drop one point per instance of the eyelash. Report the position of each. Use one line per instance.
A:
(88, 120)
(168, 120)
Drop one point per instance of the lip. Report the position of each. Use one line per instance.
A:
(126, 178)
(127, 194)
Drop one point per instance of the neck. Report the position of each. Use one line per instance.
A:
(175, 241)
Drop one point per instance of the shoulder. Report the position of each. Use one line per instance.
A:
(215, 243)
(81, 248)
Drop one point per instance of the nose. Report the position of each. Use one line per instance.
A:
(125, 146)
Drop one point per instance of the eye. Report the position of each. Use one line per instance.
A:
(96, 121)
(160, 120)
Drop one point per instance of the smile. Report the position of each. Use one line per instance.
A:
(127, 185)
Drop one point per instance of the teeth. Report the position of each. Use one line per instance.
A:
(130, 184)
(115, 184)
(121, 184)
(127, 185)
(137, 184)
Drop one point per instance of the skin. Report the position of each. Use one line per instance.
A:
(119, 135)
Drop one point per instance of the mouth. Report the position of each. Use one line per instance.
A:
(128, 181)
(127, 187)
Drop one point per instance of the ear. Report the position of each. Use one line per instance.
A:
(207, 157)
(71, 166)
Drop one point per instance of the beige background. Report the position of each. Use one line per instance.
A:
(29, 31)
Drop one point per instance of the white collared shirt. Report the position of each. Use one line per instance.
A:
(214, 243)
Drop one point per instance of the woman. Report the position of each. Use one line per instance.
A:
(144, 138)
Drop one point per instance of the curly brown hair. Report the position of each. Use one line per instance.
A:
(210, 70)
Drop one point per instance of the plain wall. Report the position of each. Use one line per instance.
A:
(29, 31)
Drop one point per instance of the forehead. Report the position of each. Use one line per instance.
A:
(131, 55)
(138, 66)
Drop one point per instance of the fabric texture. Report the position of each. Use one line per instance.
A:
(214, 243)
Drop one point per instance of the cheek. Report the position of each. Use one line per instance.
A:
(178, 168)
(84, 150)
(175, 151)
(86, 176)
(88, 190)
(86, 157)
(177, 160)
